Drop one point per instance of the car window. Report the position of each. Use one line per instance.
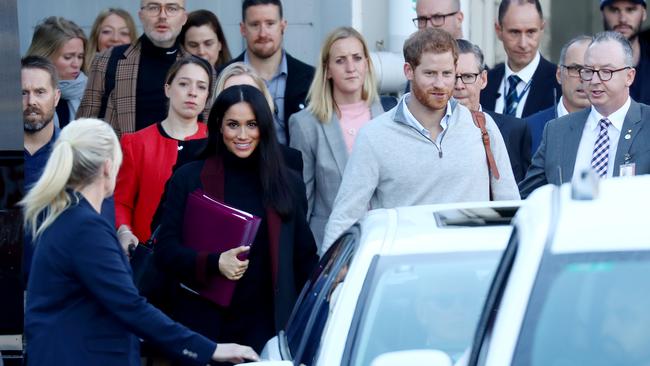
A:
(588, 310)
(430, 301)
(306, 324)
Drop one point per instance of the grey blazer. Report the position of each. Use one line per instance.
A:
(324, 156)
(554, 160)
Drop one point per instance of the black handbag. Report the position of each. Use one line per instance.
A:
(151, 282)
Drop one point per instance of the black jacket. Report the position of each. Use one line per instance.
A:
(540, 95)
(516, 136)
(292, 247)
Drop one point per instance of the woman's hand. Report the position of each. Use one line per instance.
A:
(230, 266)
(235, 353)
(126, 238)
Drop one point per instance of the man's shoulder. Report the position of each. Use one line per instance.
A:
(543, 116)
(239, 58)
(381, 124)
(567, 121)
(546, 66)
(293, 64)
(505, 119)
(498, 70)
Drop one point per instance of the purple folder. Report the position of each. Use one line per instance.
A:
(212, 226)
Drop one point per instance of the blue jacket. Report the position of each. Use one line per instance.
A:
(82, 307)
(536, 123)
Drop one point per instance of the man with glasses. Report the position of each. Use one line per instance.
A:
(126, 83)
(425, 150)
(287, 78)
(627, 17)
(574, 97)
(525, 83)
(471, 78)
(612, 138)
(443, 14)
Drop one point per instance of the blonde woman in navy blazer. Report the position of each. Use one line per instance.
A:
(344, 82)
(81, 305)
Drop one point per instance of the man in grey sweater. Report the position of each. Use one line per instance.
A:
(426, 149)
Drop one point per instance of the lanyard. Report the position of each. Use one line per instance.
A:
(518, 96)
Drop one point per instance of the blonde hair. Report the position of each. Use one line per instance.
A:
(320, 95)
(75, 162)
(92, 46)
(51, 34)
(240, 68)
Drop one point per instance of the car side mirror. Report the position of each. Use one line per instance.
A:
(419, 357)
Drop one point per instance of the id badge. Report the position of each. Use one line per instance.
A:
(628, 170)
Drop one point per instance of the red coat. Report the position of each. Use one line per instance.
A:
(149, 157)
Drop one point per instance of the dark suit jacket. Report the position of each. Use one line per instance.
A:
(540, 95)
(516, 136)
(561, 139)
(82, 307)
(536, 123)
(291, 243)
(299, 77)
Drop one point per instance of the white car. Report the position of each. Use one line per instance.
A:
(573, 287)
(405, 279)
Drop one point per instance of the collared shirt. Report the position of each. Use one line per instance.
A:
(413, 122)
(277, 87)
(590, 135)
(526, 76)
(34, 164)
(561, 109)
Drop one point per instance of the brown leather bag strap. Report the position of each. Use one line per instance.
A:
(479, 120)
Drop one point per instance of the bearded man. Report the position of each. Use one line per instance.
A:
(626, 18)
(425, 150)
(40, 97)
(287, 78)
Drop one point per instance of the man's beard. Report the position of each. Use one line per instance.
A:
(632, 37)
(423, 96)
(32, 125)
(263, 52)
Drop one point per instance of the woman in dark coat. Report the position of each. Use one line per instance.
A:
(243, 166)
(81, 306)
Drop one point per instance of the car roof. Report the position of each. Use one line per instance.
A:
(614, 220)
(411, 230)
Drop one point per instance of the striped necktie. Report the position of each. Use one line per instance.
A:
(600, 157)
(512, 99)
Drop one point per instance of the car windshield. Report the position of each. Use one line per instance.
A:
(430, 301)
(588, 310)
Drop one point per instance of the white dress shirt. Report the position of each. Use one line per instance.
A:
(590, 135)
(561, 109)
(526, 76)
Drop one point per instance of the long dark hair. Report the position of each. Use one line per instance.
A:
(272, 169)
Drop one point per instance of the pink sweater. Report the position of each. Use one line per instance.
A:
(353, 117)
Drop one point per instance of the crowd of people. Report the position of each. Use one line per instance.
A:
(120, 130)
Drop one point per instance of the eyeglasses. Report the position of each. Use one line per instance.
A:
(467, 78)
(436, 20)
(586, 74)
(154, 9)
(573, 70)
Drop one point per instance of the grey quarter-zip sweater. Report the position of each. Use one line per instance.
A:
(393, 164)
